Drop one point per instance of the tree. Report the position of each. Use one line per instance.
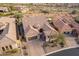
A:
(19, 25)
(73, 12)
(11, 8)
(77, 19)
(44, 11)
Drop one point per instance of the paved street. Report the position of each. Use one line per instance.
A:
(70, 42)
(68, 52)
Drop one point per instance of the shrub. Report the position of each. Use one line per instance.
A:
(73, 12)
(12, 51)
(77, 19)
(44, 11)
(60, 39)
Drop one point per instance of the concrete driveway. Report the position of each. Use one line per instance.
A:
(35, 48)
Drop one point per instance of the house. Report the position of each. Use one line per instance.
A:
(36, 23)
(3, 9)
(69, 19)
(62, 26)
(75, 27)
(7, 34)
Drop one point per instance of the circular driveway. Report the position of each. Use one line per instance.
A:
(67, 52)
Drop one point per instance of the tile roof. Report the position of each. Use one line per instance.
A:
(31, 31)
(61, 23)
(48, 29)
(35, 20)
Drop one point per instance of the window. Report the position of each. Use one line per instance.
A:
(7, 48)
(68, 32)
(3, 48)
(64, 32)
(10, 46)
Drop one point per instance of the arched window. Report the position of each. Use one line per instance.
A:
(7, 48)
(3, 48)
(10, 46)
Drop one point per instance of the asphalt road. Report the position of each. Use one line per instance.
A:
(68, 52)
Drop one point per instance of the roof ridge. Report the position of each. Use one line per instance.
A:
(49, 26)
(31, 27)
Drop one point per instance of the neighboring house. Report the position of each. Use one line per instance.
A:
(62, 26)
(8, 34)
(75, 27)
(3, 9)
(36, 23)
(69, 19)
(21, 8)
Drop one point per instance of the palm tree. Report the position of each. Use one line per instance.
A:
(18, 16)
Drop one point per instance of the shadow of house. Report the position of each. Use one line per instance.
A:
(4, 31)
(1, 31)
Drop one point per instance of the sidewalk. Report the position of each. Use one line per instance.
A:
(70, 41)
